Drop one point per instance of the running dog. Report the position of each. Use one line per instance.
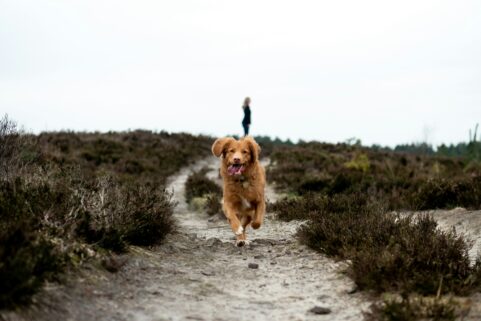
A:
(244, 183)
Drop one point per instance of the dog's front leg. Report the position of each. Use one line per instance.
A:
(259, 215)
(234, 222)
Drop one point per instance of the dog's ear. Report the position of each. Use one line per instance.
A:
(254, 148)
(220, 145)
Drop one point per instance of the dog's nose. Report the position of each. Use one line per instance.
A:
(236, 160)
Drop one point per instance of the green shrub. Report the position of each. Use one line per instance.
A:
(359, 162)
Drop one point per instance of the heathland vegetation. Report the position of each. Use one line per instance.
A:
(358, 201)
(67, 198)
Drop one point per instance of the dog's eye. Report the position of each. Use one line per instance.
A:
(244, 151)
(231, 150)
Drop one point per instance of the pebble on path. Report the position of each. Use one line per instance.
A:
(320, 310)
(253, 266)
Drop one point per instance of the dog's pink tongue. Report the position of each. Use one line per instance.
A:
(235, 170)
(232, 170)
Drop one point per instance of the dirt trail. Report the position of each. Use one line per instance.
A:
(212, 280)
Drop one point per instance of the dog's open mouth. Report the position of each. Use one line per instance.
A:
(235, 169)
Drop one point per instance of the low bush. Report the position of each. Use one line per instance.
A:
(114, 215)
(17, 149)
(404, 181)
(418, 257)
(59, 191)
(27, 260)
(203, 193)
(296, 207)
(389, 252)
(213, 204)
(413, 309)
(446, 193)
(199, 185)
(134, 156)
(27, 256)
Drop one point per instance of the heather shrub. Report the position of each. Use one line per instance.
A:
(27, 260)
(389, 252)
(346, 195)
(213, 204)
(199, 185)
(413, 309)
(27, 256)
(115, 215)
(404, 181)
(203, 193)
(132, 156)
(64, 193)
(448, 193)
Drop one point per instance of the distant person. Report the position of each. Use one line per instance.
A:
(246, 122)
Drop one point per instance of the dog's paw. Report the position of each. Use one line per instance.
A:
(241, 243)
(255, 225)
(239, 231)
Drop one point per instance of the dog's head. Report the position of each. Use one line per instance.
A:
(237, 155)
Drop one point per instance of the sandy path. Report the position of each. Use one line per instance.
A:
(212, 280)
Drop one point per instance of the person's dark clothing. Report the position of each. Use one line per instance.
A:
(247, 115)
(247, 120)
(246, 129)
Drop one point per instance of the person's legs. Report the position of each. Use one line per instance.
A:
(246, 129)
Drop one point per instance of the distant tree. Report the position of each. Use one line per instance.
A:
(415, 148)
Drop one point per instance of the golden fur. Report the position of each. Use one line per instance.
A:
(244, 182)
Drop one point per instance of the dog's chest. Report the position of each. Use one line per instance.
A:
(245, 203)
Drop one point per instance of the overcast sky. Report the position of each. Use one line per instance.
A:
(386, 72)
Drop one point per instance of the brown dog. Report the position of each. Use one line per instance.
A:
(244, 183)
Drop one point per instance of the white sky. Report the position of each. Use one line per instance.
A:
(386, 72)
